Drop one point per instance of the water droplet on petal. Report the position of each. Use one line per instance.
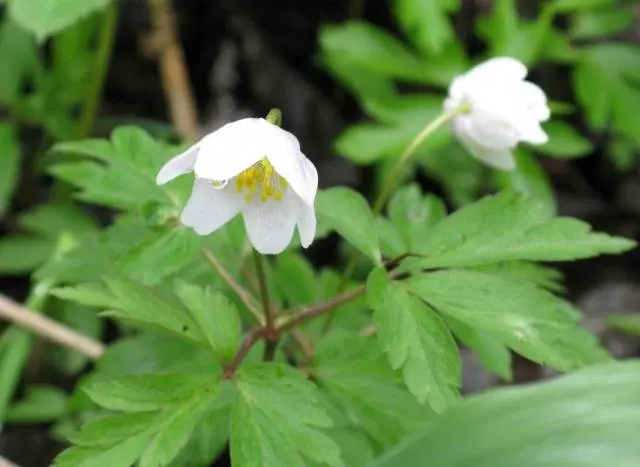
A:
(219, 184)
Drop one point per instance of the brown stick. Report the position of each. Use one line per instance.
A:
(49, 329)
(175, 79)
(4, 462)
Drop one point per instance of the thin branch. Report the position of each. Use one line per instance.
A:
(254, 336)
(307, 313)
(242, 293)
(49, 329)
(175, 79)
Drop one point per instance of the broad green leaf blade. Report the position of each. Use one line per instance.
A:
(625, 323)
(10, 161)
(44, 18)
(542, 276)
(113, 429)
(42, 404)
(587, 419)
(139, 393)
(426, 23)
(52, 219)
(533, 322)
(368, 395)
(121, 455)
(217, 318)
(564, 142)
(20, 255)
(276, 419)
(295, 279)
(508, 227)
(415, 339)
(349, 214)
(530, 180)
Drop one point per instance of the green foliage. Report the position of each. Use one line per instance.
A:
(348, 213)
(276, 419)
(585, 419)
(415, 339)
(629, 323)
(11, 156)
(52, 16)
(508, 227)
(41, 404)
(531, 321)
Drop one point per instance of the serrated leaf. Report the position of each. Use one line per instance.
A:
(22, 254)
(113, 429)
(295, 279)
(140, 393)
(217, 318)
(508, 227)
(530, 180)
(51, 219)
(542, 276)
(48, 17)
(276, 419)
(416, 340)
(414, 215)
(586, 419)
(426, 22)
(355, 374)
(11, 157)
(564, 142)
(349, 214)
(532, 322)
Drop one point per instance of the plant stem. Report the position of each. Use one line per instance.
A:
(101, 65)
(249, 300)
(268, 310)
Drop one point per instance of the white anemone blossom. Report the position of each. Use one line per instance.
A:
(253, 167)
(501, 109)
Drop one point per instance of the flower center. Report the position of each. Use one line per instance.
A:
(262, 180)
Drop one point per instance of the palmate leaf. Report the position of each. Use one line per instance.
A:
(367, 394)
(165, 409)
(417, 340)
(532, 322)
(276, 419)
(508, 227)
(587, 419)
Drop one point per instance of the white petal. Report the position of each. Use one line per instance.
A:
(270, 224)
(490, 130)
(535, 100)
(498, 69)
(299, 172)
(178, 165)
(501, 159)
(457, 88)
(307, 225)
(533, 133)
(209, 208)
(237, 146)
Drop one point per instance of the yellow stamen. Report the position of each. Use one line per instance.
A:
(261, 179)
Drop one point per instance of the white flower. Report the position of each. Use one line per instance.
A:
(255, 168)
(502, 110)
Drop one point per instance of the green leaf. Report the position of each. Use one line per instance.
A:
(568, 6)
(348, 213)
(529, 179)
(11, 156)
(492, 353)
(121, 173)
(19, 48)
(533, 322)
(542, 276)
(52, 16)
(426, 22)
(415, 339)
(276, 419)
(295, 279)
(509, 227)
(586, 419)
(372, 48)
(217, 318)
(599, 23)
(140, 393)
(604, 84)
(355, 374)
(504, 24)
(414, 215)
(42, 404)
(564, 142)
(625, 323)
(52, 219)
(22, 254)
(132, 301)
